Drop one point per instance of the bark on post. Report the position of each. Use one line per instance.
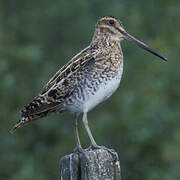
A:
(92, 165)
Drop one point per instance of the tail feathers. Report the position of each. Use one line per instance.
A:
(35, 110)
(27, 119)
(24, 120)
(19, 124)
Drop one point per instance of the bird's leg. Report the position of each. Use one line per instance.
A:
(77, 139)
(85, 121)
(93, 143)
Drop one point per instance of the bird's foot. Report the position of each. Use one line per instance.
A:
(111, 151)
(79, 149)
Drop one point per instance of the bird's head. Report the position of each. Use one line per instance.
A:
(113, 28)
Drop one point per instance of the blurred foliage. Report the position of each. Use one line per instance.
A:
(140, 121)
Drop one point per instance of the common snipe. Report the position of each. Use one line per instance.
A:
(86, 80)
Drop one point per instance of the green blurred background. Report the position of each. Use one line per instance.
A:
(140, 121)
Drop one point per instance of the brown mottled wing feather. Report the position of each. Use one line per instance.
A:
(72, 65)
(51, 98)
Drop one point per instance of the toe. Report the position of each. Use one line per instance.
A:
(78, 149)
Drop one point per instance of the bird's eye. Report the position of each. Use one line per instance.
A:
(111, 22)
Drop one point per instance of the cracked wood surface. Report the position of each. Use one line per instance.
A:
(92, 165)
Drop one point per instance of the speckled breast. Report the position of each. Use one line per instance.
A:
(94, 89)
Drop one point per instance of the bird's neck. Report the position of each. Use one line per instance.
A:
(109, 46)
(105, 40)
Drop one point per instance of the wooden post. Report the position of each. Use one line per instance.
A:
(95, 164)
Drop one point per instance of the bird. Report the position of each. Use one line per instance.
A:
(88, 79)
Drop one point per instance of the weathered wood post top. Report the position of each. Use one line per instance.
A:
(95, 164)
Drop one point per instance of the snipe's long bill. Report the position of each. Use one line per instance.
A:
(143, 45)
(88, 79)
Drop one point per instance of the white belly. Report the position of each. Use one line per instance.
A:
(103, 93)
(92, 99)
